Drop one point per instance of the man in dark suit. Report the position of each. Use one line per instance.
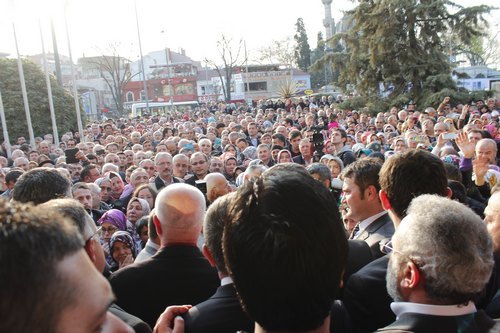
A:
(285, 252)
(401, 178)
(222, 312)
(361, 187)
(305, 157)
(253, 134)
(178, 273)
(164, 168)
(434, 276)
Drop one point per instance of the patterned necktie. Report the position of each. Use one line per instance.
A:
(354, 231)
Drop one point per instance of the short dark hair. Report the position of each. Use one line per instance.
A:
(342, 132)
(13, 175)
(213, 228)
(73, 210)
(86, 171)
(364, 172)
(32, 243)
(285, 252)
(410, 174)
(293, 134)
(321, 170)
(280, 137)
(40, 185)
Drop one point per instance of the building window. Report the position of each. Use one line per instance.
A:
(256, 86)
(130, 96)
(143, 95)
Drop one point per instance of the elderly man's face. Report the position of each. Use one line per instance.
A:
(486, 151)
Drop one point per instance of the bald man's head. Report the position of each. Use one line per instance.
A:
(217, 186)
(180, 209)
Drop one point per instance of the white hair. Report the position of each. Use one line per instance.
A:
(450, 245)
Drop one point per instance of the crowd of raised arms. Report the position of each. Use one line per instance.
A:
(285, 216)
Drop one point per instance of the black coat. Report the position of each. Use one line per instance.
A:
(220, 313)
(175, 275)
(366, 298)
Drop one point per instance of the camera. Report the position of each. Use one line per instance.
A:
(317, 140)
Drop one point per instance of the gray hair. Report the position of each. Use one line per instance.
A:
(450, 244)
(321, 170)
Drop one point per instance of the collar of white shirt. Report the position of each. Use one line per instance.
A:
(400, 308)
(366, 222)
(225, 281)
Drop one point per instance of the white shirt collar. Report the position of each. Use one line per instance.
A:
(226, 280)
(366, 222)
(400, 308)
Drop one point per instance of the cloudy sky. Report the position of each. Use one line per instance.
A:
(194, 25)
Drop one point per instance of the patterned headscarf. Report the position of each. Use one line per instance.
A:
(116, 218)
(124, 237)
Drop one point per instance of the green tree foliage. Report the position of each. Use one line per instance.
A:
(399, 49)
(318, 72)
(302, 48)
(10, 87)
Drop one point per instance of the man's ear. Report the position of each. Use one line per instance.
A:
(411, 276)
(371, 191)
(206, 252)
(157, 225)
(386, 204)
(89, 248)
(449, 193)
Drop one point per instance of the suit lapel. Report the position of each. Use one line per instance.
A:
(373, 227)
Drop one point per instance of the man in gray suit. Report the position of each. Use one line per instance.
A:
(361, 188)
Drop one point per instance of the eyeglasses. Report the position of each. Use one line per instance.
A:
(109, 230)
(93, 235)
(386, 247)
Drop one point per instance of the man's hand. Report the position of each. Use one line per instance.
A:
(446, 100)
(80, 156)
(170, 320)
(466, 146)
(465, 110)
(441, 141)
(480, 168)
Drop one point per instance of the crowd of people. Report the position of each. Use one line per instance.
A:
(319, 219)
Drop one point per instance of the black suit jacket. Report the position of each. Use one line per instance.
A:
(366, 297)
(420, 323)
(220, 313)
(378, 230)
(137, 325)
(158, 184)
(175, 275)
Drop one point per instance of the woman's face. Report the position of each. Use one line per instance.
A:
(230, 149)
(116, 185)
(107, 231)
(329, 148)
(146, 195)
(230, 166)
(285, 158)
(334, 168)
(399, 147)
(134, 211)
(121, 251)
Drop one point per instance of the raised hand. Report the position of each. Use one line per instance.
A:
(466, 146)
